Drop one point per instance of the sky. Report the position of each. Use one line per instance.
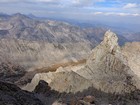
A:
(102, 10)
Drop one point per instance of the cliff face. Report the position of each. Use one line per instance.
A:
(106, 69)
(132, 53)
(61, 81)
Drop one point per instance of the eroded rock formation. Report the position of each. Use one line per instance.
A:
(132, 53)
(63, 81)
(107, 69)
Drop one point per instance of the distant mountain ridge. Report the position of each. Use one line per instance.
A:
(35, 43)
(20, 26)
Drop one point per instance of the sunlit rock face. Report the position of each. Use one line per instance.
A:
(132, 52)
(108, 69)
(63, 81)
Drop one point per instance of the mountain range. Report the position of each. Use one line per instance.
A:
(51, 62)
(25, 27)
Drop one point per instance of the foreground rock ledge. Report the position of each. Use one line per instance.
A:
(10, 94)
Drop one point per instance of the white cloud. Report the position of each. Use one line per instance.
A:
(47, 1)
(6, 1)
(116, 14)
(130, 5)
(64, 2)
(79, 2)
(136, 14)
(99, 0)
(124, 14)
(97, 13)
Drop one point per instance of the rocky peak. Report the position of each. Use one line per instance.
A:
(109, 45)
(108, 68)
(110, 39)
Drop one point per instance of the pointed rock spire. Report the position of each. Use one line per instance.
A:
(107, 68)
(110, 41)
(110, 38)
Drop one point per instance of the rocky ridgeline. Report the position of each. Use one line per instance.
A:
(106, 69)
(108, 77)
(62, 81)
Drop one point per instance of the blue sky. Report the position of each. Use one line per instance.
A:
(105, 10)
(72, 7)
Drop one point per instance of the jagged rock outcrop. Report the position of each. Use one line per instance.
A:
(74, 66)
(87, 97)
(108, 68)
(61, 81)
(107, 76)
(10, 94)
